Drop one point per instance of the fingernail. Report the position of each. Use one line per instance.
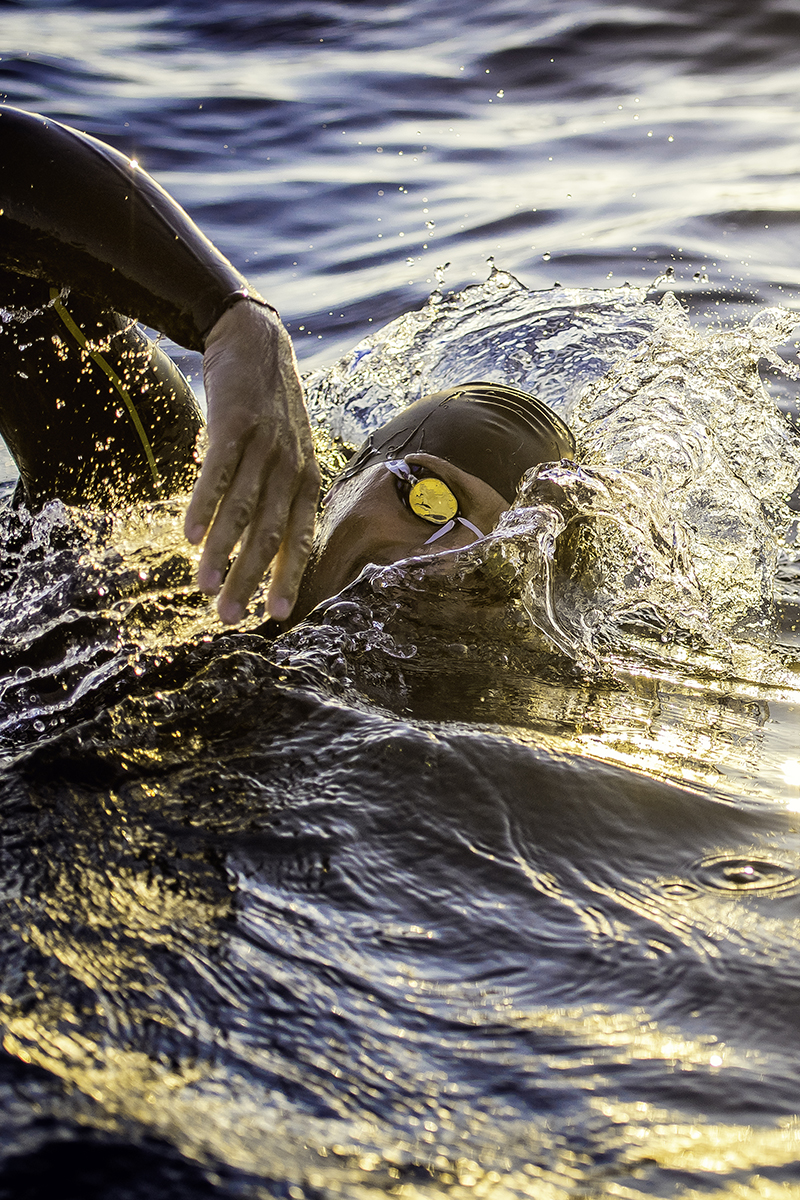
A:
(209, 581)
(279, 608)
(230, 612)
(194, 534)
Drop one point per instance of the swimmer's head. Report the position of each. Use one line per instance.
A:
(435, 477)
(489, 430)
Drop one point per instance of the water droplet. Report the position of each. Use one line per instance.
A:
(439, 272)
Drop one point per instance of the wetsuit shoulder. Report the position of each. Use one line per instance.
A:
(77, 213)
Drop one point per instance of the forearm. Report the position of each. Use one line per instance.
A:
(77, 213)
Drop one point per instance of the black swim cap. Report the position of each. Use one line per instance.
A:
(490, 430)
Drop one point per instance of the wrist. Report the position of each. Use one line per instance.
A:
(245, 293)
(244, 310)
(242, 300)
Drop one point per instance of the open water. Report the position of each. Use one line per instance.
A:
(485, 880)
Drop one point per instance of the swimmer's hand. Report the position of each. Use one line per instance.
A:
(259, 480)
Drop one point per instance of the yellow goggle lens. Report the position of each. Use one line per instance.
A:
(432, 500)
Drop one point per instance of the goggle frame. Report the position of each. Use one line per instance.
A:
(428, 497)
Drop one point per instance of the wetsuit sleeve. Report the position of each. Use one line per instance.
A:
(79, 214)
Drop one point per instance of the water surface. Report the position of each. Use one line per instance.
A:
(483, 881)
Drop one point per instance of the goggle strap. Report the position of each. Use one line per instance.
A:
(441, 532)
(469, 525)
(400, 468)
(451, 525)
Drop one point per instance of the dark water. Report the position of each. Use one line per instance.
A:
(484, 881)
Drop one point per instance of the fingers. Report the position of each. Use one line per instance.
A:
(219, 468)
(213, 481)
(273, 504)
(280, 533)
(237, 508)
(278, 537)
(290, 563)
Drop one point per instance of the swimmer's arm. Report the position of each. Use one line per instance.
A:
(78, 213)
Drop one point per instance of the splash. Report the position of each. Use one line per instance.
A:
(653, 554)
(662, 538)
(91, 602)
(673, 521)
(552, 342)
(623, 608)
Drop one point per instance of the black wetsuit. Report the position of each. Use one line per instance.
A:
(91, 408)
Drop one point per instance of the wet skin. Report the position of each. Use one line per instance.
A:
(365, 520)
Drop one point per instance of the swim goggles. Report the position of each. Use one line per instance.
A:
(428, 497)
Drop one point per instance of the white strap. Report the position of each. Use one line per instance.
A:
(469, 525)
(450, 525)
(441, 532)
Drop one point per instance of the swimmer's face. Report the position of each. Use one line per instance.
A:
(366, 521)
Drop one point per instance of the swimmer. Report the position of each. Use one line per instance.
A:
(91, 409)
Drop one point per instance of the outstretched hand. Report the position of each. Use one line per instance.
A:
(259, 480)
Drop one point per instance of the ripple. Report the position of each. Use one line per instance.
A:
(732, 874)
